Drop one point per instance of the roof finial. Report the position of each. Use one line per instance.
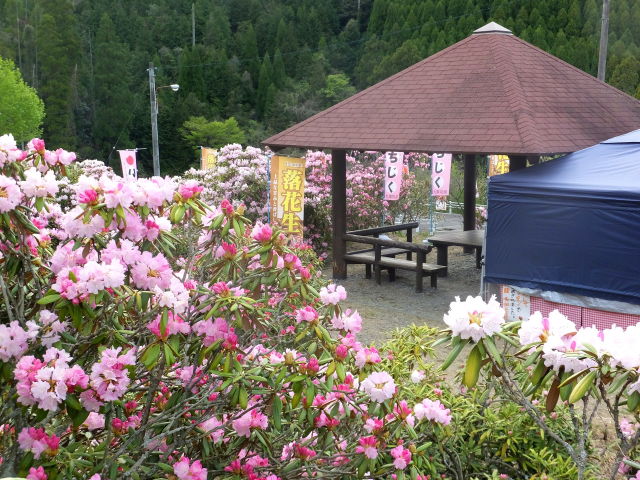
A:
(493, 27)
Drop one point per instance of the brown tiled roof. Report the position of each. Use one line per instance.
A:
(489, 93)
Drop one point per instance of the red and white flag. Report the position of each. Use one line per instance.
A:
(129, 164)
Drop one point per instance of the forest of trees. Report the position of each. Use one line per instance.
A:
(267, 63)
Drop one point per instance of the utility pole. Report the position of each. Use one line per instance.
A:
(604, 38)
(193, 24)
(154, 120)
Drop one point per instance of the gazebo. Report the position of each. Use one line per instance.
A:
(491, 93)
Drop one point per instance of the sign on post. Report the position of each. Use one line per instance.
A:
(393, 163)
(209, 158)
(517, 306)
(440, 174)
(498, 164)
(129, 164)
(287, 193)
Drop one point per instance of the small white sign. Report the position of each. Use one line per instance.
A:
(441, 204)
(517, 306)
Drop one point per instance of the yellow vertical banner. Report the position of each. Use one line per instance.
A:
(287, 193)
(498, 164)
(209, 158)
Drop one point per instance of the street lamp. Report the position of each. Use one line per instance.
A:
(154, 116)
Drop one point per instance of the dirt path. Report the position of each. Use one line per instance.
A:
(393, 305)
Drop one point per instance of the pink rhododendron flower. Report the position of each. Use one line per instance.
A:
(214, 427)
(10, 194)
(433, 410)
(37, 185)
(109, 377)
(151, 271)
(35, 440)
(185, 470)
(379, 386)
(94, 421)
(175, 324)
(307, 314)
(368, 446)
(474, 318)
(401, 456)
(116, 193)
(367, 356)
(64, 157)
(212, 330)
(88, 196)
(226, 207)
(36, 145)
(189, 189)
(37, 474)
(332, 294)
(90, 401)
(253, 419)
(13, 341)
(350, 321)
(261, 233)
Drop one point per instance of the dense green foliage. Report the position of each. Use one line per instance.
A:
(21, 110)
(268, 63)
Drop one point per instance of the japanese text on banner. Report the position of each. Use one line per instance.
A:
(440, 174)
(287, 193)
(393, 162)
(209, 158)
(498, 164)
(129, 164)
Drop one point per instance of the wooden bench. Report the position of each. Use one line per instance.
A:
(389, 262)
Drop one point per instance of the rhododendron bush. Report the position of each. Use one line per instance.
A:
(147, 334)
(241, 176)
(546, 361)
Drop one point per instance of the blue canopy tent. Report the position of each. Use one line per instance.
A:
(571, 224)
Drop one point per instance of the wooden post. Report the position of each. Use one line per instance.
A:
(517, 162)
(469, 216)
(339, 211)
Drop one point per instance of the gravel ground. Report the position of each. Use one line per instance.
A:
(393, 305)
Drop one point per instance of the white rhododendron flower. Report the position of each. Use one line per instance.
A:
(474, 318)
(379, 386)
(540, 329)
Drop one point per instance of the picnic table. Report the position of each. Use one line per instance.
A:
(382, 254)
(468, 238)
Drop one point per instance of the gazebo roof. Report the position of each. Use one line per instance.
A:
(489, 93)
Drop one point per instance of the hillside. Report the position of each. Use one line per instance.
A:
(268, 63)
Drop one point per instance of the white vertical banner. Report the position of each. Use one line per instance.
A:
(129, 164)
(440, 174)
(393, 163)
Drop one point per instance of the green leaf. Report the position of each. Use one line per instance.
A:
(243, 398)
(54, 297)
(168, 354)
(150, 355)
(633, 401)
(492, 350)
(453, 354)
(277, 412)
(472, 369)
(583, 386)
